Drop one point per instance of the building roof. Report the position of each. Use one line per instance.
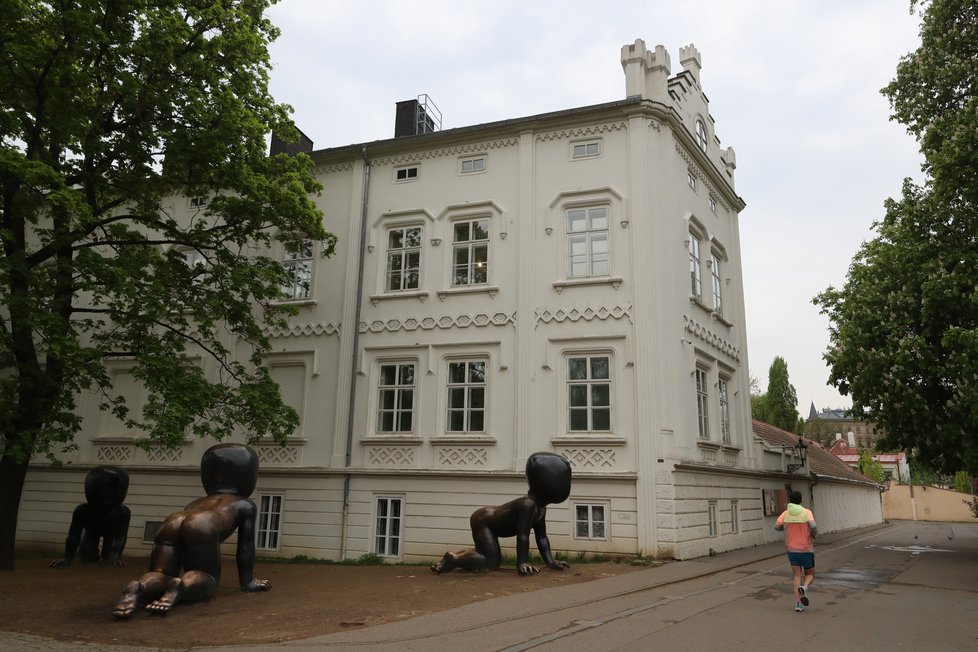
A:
(831, 414)
(820, 461)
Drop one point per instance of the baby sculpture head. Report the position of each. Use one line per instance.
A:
(229, 469)
(549, 476)
(106, 487)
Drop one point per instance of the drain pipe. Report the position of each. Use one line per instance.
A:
(356, 355)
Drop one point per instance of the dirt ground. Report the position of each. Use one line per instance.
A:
(307, 599)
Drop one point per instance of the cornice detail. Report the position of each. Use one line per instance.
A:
(458, 150)
(444, 322)
(704, 334)
(698, 173)
(580, 132)
(330, 169)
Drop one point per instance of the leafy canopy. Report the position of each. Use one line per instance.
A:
(904, 328)
(113, 113)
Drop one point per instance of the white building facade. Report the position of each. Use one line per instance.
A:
(566, 282)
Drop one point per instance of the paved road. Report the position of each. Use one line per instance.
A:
(911, 586)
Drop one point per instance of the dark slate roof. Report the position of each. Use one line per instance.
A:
(820, 461)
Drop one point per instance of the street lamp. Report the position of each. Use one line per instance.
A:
(799, 450)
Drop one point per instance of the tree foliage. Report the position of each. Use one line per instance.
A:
(110, 111)
(904, 328)
(869, 467)
(779, 406)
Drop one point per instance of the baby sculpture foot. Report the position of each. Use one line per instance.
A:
(128, 601)
(447, 563)
(162, 605)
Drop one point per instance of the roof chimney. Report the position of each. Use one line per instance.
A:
(279, 146)
(415, 117)
(852, 439)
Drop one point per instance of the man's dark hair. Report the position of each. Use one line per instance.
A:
(795, 497)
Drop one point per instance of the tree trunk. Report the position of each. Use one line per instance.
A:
(12, 476)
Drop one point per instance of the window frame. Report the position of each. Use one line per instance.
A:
(473, 160)
(407, 176)
(381, 541)
(691, 180)
(265, 527)
(290, 261)
(470, 246)
(403, 252)
(467, 410)
(590, 521)
(695, 267)
(397, 410)
(716, 283)
(702, 387)
(591, 148)
(713, 518)
(702, 137)
(590, 235)
(589, 382)
(723, 397)
(734, 517)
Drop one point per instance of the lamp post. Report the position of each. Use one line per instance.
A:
(799, 450)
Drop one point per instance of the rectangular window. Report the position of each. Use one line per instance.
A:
(396, 413)
(702, 405)
(717, 284)
(477, 164)
(589, 393)
(403, 258)
(712, 515)
(150, 528)
(691, 180)
(198, 202)
(589, 522)
(584, 150)
(387, 529)
(587, 242)
(734, 516)
(298, 265)
(470, 252)
(406, 174)
(269, 522)
(713, 204)
(722, 390)
(695, 280)
(467, 396)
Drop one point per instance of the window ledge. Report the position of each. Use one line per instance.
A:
(420, 295)
(603, 439)
(613, 281)
(457, 439)
(720, 318)
(294, 302)
(698, 301)
(491, 290)
(403, 440)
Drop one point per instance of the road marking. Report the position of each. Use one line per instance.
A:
(913, 550)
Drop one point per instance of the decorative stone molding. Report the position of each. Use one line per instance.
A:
(276, 455)
(461, 150)
(390, 456)
(330, 169)
(164, 455)
(581, 132)
(444, 322)
(462, 457)
(115, 453)
(588, 458)
(704, 334)
(300, 330)
(590, 313)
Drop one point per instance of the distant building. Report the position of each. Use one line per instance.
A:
(895, 466)
(825, 425)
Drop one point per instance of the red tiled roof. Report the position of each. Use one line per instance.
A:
(820, 461)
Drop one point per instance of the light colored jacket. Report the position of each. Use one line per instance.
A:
(798, 524)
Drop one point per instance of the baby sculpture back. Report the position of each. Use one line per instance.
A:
(103, 519)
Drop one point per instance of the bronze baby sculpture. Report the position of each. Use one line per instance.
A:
(549, 476)
(103, 518)
(185, 563)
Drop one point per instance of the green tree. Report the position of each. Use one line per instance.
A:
(962, 482)
(781, 401)
(904, 328)
(869, 467)
(110, 109)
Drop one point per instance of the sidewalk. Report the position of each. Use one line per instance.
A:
(469, 626)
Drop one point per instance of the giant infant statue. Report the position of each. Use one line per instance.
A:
(102, 519)
(185, 563)
(549, 476)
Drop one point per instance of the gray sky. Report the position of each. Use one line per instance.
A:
(793, 87)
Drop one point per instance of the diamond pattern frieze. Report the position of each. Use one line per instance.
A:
(390, 456)
(444, 322)
(463, 457)
(590, 458)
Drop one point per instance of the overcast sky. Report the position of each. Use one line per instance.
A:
(793, 87)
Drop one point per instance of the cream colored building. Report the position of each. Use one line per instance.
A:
(566, 282)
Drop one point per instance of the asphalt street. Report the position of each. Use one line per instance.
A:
(905, 585)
